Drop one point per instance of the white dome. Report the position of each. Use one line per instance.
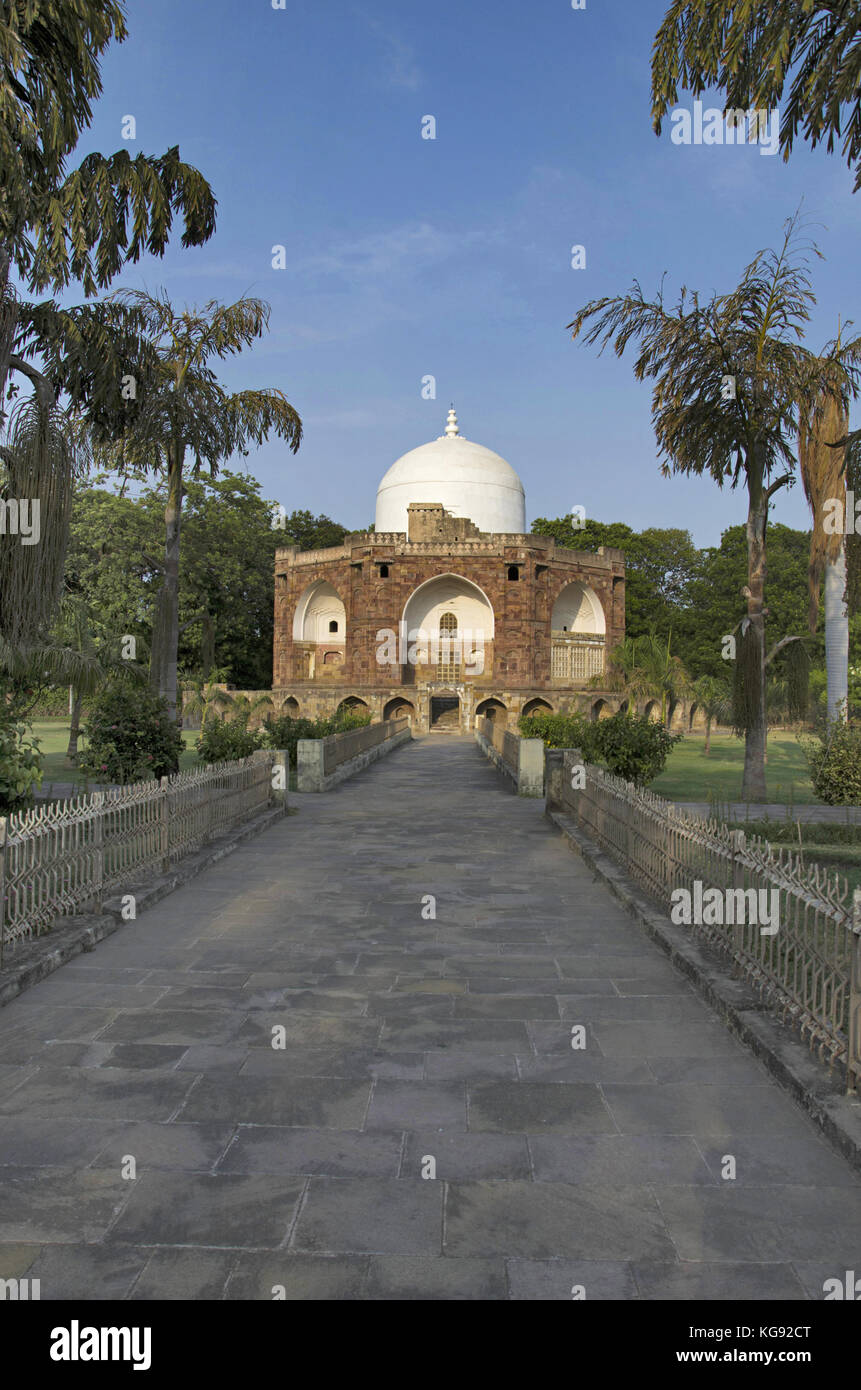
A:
(466, 478)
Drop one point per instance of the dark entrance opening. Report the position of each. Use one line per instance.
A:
(445, 714)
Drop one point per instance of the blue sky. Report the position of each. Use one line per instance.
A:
(452, 257)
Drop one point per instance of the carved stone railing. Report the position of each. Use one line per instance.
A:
(522, 759)
(323, 762)
(577, 657)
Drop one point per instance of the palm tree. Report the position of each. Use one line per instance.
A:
(747, 50)
(645, 668)
(208, 696)
(626, 674)
(247, 705)
(58, 227)
(714, 698)
(823, 429)
(39, 461)
(748, 338)
(98, 661)
(180, 410)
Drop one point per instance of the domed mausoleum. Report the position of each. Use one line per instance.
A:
(448, 609)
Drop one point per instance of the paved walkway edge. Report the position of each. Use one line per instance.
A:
(45, 954)
(496, 758)
(736, 1003)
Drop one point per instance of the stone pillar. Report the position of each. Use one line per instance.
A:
(309, 765)
(530, 767)
(553, 777)
(280, 778)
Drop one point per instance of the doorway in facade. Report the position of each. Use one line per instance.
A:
(445, 714)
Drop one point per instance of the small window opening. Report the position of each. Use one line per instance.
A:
(384, 571)
(513, 572)
(333, 626)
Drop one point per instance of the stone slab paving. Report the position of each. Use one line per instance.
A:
(410, 1040)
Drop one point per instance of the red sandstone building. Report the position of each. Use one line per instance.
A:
(448, 609)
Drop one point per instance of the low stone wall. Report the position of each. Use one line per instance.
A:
(321, 763)
(521, 759)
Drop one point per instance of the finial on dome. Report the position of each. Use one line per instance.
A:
(451, 428)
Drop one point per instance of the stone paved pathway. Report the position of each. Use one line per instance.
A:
(406, 1039)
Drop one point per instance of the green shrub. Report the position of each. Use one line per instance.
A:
(227, 741)
(130, 735)
(284, 732)
(561, 731)
(349, 719)
(633, 747)
(834, 760)
(20, 762)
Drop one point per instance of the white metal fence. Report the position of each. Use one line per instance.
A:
(60, 858)
(809, 970)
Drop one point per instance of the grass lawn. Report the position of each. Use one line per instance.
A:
(691, 776)
(53, 736)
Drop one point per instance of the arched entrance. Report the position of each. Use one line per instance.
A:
(399, 709)
(445, 712)
(492, 709)
(536, 706)
(449, 626)
(578, 633)
(352, 705)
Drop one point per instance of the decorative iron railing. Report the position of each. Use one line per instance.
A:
(808, 969)
(62, 857)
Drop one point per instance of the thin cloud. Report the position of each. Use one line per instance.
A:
(399, 57)
(403, 249)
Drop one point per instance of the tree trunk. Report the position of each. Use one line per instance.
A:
(165, 643)
(753, 781)
(836, 637)
(708, 747)
(74, 727)
(207, 646)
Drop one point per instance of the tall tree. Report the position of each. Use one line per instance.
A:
(660, 564)
(57, 227)
(178, 410)
(750, 48)
(310, 532)
(823, 428)
(728, 375)
(716, 605)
